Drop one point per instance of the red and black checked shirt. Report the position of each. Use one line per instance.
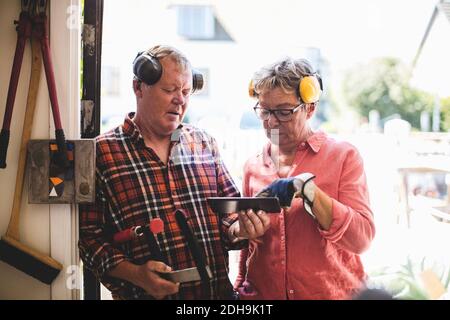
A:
(134, 186)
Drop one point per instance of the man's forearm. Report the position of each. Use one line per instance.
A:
(126, 271)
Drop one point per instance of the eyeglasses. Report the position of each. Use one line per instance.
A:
(282, 115)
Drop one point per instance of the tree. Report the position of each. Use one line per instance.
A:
(445, 114)
(383, 85)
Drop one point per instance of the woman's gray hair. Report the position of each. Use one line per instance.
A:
(285, 74)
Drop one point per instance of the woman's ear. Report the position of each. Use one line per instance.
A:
(137, 88)
(310, 108)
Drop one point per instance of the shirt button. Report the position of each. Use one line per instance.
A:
(282, 237)
(303, 144)
(282, 262)
(291, 291)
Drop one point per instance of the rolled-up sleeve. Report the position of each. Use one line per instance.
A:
(352, 227)
(96, 250)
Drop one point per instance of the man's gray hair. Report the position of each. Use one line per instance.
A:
(285, 74)
(162, 51)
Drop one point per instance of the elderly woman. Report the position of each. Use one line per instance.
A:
(312, 248)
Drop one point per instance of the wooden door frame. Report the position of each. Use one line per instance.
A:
(90, 104)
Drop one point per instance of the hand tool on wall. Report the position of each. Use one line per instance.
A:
(23, 33)
(33, 22)
(12, 251)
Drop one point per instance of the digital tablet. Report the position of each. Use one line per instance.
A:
(230, 204)
(185, 275)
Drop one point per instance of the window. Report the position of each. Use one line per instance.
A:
(195, 22)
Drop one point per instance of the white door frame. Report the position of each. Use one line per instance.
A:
(65, 43)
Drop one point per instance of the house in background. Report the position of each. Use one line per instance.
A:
(225, 47)
(215, 39)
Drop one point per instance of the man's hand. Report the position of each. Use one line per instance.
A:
(147, 278)
(250, 225)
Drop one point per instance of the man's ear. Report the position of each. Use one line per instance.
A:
(137, 88)
(310, 108)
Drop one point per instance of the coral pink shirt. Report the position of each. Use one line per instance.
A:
(297, 259)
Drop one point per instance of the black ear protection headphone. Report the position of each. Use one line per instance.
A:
(309, 88)
(148, 69)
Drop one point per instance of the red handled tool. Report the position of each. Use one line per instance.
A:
(154, 227)
(184, 275)
(33, 23)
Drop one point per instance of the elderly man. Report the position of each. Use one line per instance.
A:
(148, 168)
(311, 250)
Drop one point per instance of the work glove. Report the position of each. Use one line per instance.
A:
(286, 189)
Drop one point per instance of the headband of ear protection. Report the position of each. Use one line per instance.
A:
(309, 88)
(148, 69)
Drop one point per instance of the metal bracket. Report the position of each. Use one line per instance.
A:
(87, 115)
(88, 38)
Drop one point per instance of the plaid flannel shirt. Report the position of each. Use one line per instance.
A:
(134, 186)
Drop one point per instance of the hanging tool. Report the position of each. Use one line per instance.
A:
(12, 251)
(33, 23)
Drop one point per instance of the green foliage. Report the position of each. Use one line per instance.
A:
(445, 114)
(383, 85)
(404, 282)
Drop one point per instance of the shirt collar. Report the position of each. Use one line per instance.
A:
(131, 129)
(315, 142)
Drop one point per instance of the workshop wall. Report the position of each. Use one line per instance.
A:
(34, 219)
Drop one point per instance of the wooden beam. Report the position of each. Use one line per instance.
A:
(90, 106)
(92, 54)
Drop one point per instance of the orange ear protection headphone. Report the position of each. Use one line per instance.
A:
(148, 69)
(309, 88)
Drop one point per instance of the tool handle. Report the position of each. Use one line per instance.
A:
(196, 251)
(62, 159)
(51, 84)
(125, 235)
(49, 73)
(4, 141)
(36, 66)
(24, 31)
(155, 251)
